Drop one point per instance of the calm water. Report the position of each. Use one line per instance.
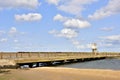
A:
(99, 64)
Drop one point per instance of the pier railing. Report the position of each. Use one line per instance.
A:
(17, 55)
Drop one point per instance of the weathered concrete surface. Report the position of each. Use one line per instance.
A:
(10, 58)
(5, 62)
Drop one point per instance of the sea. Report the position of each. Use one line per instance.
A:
(112, 64)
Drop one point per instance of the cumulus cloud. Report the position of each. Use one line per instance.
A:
(104, 44)
(76, 23)
(28, 17)
(70, 29)
(59, 17)
(79, 44)
(110, 41)
(113, 7)
(55, 2)
(16, 41)
(53, 32)
(70, 34)
(30, 4)
(107, 28)
(13, 30)
(112, 37)
(4, 40)
(75, 42)
(72, 22)
(11, 38)
(66, 33)
(2, 32)
(74, 7)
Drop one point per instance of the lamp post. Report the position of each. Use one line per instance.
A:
(94, 48)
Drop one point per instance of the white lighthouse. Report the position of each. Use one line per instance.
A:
(94, 48)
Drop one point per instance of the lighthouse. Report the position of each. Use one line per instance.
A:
(94, 48)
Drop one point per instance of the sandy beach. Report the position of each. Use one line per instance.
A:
(55, 73)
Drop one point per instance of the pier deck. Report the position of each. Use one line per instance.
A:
(49, 57)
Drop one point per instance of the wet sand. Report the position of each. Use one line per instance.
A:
(56, 73)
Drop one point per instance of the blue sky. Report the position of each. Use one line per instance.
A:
(59, 25)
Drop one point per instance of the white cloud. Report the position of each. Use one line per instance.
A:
(59, 17)
(76, 23)
(113, 7)
(110, 41)
(4, 40)
(71, 22)
(53, 32)
(70, 30)
(30, 4)
(55, 2)
(74, 7)
(2, 32)
(29, 17)
(66, 33)
(112, 37)
(15, 40)
(13, 30)
(70, 34)
(105, 44)
(81, 47)
(107, 28)
(75, 42)
(79, 44)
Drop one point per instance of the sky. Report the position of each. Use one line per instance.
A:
(59, 25)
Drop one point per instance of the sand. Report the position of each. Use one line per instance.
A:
(56, 73)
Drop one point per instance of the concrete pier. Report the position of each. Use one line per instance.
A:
(49, 58)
